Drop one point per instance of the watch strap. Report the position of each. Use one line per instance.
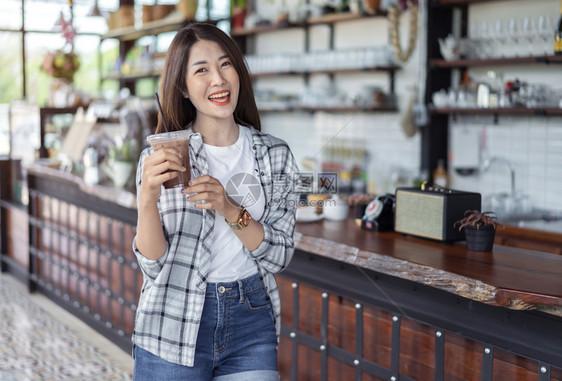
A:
(242, 221)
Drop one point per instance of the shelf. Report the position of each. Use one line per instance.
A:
(132, 77)
(441, 63)
(339, 17)
(458, 2)
(327, 71)
(538, 111)
(328, 19)
(263, 29)
(154, 27)
(384, 108)
(168, 24)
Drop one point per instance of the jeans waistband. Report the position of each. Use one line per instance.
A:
(235, 288)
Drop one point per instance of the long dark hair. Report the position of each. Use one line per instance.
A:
(179, 111)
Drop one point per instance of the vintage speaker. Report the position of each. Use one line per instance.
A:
(432, 213)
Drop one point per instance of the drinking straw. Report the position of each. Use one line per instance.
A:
(161, 113)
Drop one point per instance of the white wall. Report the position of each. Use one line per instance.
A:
(308, 133)
(532, 143)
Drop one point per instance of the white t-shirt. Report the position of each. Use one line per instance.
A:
(236, 169)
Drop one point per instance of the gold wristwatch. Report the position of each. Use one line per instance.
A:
(243, 221)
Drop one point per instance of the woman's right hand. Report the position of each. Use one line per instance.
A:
(154, 172)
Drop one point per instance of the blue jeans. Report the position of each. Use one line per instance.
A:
(236, 340)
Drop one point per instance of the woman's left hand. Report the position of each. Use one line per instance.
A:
(211, 195)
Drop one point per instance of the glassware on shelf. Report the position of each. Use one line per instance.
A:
(522, 36)
(342, 59)
(529, 33)
(500, 37)
(473, 44)
(544, 29)
(485, 36)
(514, 29)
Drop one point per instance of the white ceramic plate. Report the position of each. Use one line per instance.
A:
(308, 214)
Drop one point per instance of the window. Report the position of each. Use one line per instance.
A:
(10, 14)
(36, 47)
(11, 75)
(41, 28)
(42, 34)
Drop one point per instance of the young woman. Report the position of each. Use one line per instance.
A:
(209, 306)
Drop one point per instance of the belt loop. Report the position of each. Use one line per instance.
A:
(241, 291)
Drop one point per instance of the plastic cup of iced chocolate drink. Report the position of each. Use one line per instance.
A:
(178, 140)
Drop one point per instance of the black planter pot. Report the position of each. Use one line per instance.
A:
(359, 210)
(481, 239)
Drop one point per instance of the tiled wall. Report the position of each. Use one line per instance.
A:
(391, 153)
(534, 144)
(390, 150)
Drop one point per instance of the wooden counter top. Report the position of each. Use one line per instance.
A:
(510, 277)
(107, 192)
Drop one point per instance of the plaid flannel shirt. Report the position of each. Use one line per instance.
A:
(173, 290)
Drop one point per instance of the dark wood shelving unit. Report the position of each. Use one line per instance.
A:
(44, 114)
(435, 137)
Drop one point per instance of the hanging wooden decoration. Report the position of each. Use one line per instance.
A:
(394, 29)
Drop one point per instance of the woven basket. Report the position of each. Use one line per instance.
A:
(371, 6)
(147, 13)
(188, 8)
(162, 10)
(111, 20)
(125, 16)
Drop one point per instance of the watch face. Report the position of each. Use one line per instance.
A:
(246, 218)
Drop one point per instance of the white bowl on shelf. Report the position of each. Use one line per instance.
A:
(440, 99)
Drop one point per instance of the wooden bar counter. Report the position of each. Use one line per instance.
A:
(355, 304)
(369, 305)
(511, 277)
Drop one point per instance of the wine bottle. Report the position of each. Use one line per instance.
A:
(558, 34)
(440, 177)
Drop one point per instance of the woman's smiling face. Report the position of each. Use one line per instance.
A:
(212, 81)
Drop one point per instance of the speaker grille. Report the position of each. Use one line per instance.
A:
(419, 214)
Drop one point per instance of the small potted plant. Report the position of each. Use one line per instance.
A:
(480, 229)
(359, 202)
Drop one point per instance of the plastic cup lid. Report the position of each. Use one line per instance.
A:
(168, 136)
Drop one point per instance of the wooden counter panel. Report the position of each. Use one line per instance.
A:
(377, 326)
(92, 259)
(462, 356)
(505, 267)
